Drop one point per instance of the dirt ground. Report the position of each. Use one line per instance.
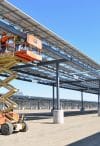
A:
(43, 132)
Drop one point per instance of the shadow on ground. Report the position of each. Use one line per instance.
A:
(75, 113)
(93, 140)
(48, 115)
(37, 116)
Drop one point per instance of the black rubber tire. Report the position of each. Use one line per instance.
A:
(24, 127)
(7, 129)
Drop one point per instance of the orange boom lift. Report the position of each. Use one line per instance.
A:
(9, 120)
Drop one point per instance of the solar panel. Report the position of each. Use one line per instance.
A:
(77, 67)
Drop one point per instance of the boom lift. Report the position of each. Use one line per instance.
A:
(9, 120)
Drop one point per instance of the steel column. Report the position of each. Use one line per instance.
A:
(99, 100)
(57, 86)
(82, 102)
(53, 97)
(58, 114)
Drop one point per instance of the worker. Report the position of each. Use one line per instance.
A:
(17, 42)
(25, 45)
(4, 39)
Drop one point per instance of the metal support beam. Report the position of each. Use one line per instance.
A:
(18, 78)
(53, 97)
(82, 102)
(23, 66)
(11, 29)
(57, 86)
(52, 62)
(99, 99)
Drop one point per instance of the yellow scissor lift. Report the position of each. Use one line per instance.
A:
(9, 120)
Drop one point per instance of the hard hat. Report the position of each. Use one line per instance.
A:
(4, 33)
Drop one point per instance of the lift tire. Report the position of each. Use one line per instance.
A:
(7, 129)
(24, 127)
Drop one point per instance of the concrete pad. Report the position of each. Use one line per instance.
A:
(58, 116)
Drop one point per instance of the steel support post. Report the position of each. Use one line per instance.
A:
(57, 86)
(49, 104)
(38, 105)
(82, 102)
(58, 115)
(53, 97)
(99, 100)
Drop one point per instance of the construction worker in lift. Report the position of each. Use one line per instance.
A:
(4, 39)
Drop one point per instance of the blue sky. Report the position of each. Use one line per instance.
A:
(76, 21)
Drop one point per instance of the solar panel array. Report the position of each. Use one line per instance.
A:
(77, 71)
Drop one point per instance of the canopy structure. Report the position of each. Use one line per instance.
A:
(75, 70)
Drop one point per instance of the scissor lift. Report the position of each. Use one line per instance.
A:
(9, 120)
